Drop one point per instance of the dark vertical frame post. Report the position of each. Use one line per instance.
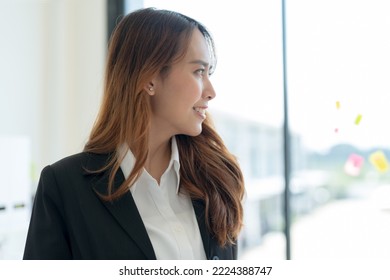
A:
(115, 9)
(286, 141)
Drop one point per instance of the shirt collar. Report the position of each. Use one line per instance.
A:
(128, 161)
(175, 160)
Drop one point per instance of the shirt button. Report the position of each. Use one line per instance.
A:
(215, 258)
(178, 229)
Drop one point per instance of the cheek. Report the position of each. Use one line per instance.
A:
(187, 96)
(179, 95)
(194, 91)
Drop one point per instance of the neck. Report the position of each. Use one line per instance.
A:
(158, 156)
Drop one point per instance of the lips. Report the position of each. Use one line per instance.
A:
(201, 111)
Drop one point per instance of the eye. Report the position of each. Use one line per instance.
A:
(200, 71)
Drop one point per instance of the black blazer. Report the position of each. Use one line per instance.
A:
(70, 221)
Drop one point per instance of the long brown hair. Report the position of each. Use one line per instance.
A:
(145, 43)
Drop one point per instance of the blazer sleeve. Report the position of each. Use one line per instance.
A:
(47, 236)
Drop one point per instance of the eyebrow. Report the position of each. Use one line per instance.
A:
(204, 64)
(199, 61)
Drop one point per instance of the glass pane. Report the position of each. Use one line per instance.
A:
(339, 92)
(248, 110)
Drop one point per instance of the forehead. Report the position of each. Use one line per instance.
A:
(198, 47)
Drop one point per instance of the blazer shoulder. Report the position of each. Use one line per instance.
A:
(84, 161)
(71, 160)
(75, 162)
(72, 174)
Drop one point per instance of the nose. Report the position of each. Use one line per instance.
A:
(208, 90)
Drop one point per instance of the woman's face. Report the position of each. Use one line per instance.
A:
(180, 99)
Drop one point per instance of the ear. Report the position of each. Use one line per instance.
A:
(149, 88)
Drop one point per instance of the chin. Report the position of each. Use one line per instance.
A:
(194, 132)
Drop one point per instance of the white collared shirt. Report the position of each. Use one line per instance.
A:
(168, 215)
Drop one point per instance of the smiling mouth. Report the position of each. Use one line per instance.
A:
(200, 110)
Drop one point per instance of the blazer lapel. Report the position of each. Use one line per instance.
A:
(124, 209)
(199, 209)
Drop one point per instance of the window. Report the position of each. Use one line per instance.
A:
(248, 109)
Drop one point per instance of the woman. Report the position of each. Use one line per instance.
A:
(154, 181)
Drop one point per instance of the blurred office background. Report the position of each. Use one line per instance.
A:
(52, 55)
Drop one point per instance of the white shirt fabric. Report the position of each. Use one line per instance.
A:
(168, 215)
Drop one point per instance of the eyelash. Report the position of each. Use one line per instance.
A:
(202, 71)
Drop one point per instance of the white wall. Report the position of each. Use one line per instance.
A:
(52, 55)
